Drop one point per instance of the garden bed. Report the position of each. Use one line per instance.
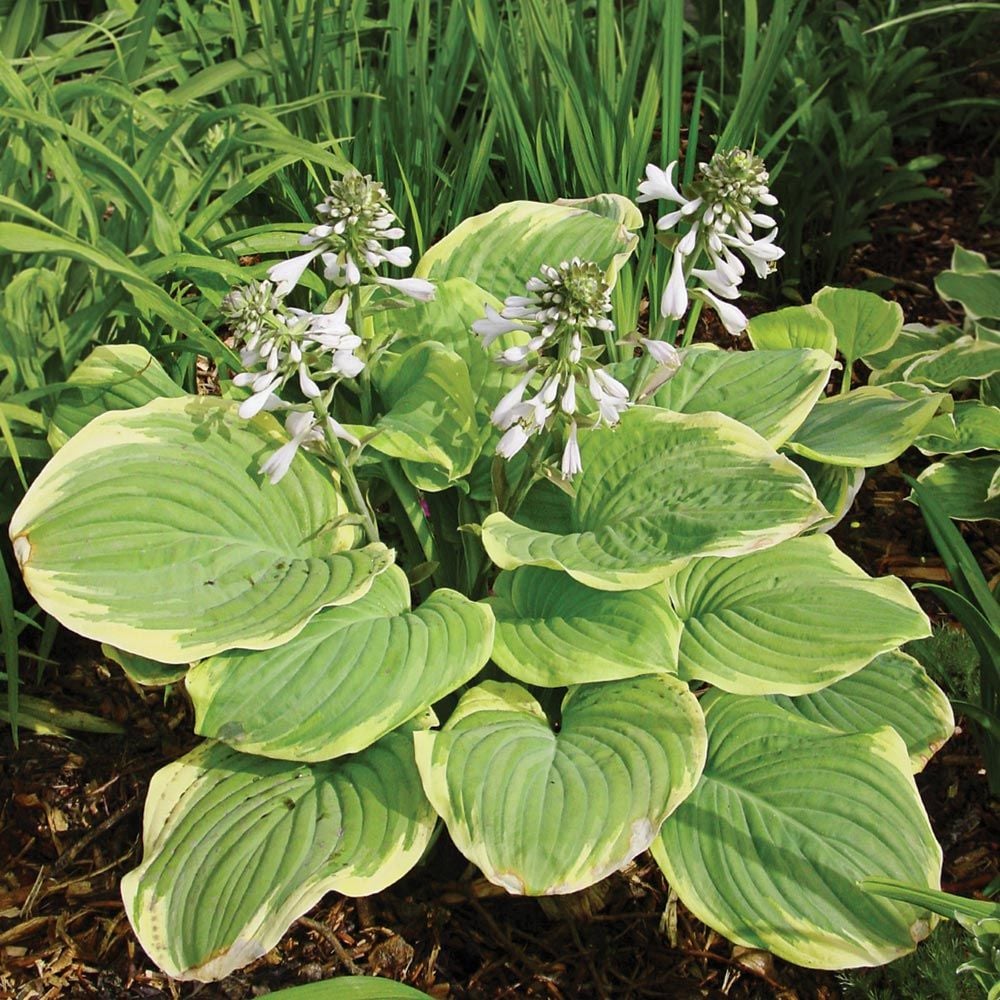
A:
(71, 812)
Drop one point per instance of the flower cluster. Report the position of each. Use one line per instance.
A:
(356, 224)
(564, 305)
(720, 207)
(280, 343)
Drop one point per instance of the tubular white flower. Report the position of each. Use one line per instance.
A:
(674, 302)
(568, 403)
(287, 273)
(504, 413)
(302, 427)
(664, 354)
(659, 184)
(513, 441)
(415, 288)
(717, 282)
(732, 318)
(494, 325)
(571, 463)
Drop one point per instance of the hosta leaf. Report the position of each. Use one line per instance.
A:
(112, 377)
(500, 250)
(914, 339)
(236, 847)
(789, 620)
(788, 817)
(431, 416)
(964, 486)
(963, 359)
(143, 670)
(893, 690)
(978, 292)
(971, 427)
(797, 326)
(771, 392)
(350, 676)
(863, 323)
(657, 489)
(865, 427)
(167, 496)
(544, 813)
(835, 485)
(352, 988)
(554, 632)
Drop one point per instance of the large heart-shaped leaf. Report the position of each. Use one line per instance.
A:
(657, 489)
(863, 323)
(554, 632)
(112, 377)
(970, 427)
(977, 291)
(167, 497)
(544, 813)
(865, 427)
(965, 487)
(963, 359)
(893, 690)
(797, 326)
(789, 620)
(502, 249)
(350, 676)
(788, 817)
(235, 847)
(771, 392)
(914, 339)
(430, 422)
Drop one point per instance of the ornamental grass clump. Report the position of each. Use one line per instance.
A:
(647, 642)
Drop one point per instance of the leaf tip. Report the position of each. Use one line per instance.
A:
(22, 550)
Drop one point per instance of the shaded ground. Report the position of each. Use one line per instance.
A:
(71, 810)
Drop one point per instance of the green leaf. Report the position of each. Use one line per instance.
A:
(863, 428)
(771, 391)
(352, 988)
(963, 359)
(168, 496)
(657, 489)
(787, 818)
(143, 670)
(349, 677)
(893, 690)
(835, 485)
(791, 619)
(236, 847)
(554, 632)
(968, 261)
(546, 813)
(430, 422)
(500, 250)
(914, 339)
(970, 427)
(962, 486)
(978, 292)
(797, 326)
(111, 377)
(863, 323)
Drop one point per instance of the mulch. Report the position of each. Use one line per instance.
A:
(70, 810)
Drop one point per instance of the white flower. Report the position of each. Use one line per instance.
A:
(493, 325)
(664, 354)
(287, 273)
(732, 318)
(609, 394)
(659, 184)
(571, 463)
(505, 411)
(415, 288)
(674, 302)
(718, 282)
(302, 427)
(568, 403)
(513, 441)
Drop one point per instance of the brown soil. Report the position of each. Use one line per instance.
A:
(71, 809)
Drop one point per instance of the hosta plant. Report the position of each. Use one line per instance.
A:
(504, 566)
